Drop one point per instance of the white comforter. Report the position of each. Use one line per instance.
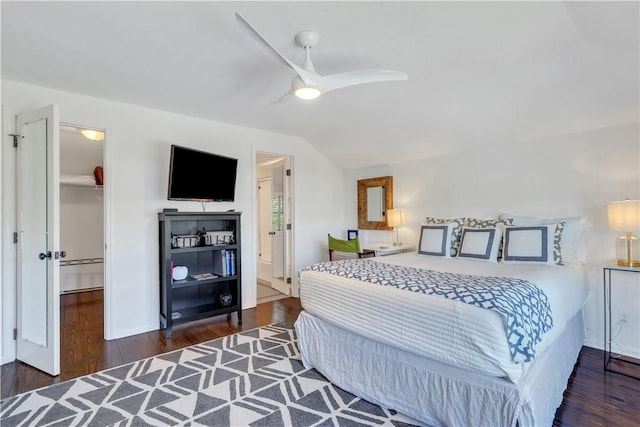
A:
(445, 330)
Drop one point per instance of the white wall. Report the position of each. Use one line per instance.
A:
(567, 175)
(136, 167)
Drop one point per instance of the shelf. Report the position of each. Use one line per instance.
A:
(191, 298)
(202, 248)
(177, 284)
(92, 187)
(201, 311)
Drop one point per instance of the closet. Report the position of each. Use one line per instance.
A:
(81, 209)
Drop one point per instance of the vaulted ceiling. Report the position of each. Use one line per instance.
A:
(481, 74)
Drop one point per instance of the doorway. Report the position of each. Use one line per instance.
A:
(274, 218)
(41, 254)
(81, 209)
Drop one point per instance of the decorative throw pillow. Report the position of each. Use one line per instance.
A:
(480, 243)
(435, 240)
(574, 237)
(456, 228)
(538, 244)
(486, 223)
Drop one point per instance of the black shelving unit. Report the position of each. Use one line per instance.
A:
(192, 299)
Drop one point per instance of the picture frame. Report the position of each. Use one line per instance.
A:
(352, 234)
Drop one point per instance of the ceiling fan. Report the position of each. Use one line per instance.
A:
(308, 84)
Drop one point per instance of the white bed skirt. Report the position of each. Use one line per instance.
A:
(434, 393)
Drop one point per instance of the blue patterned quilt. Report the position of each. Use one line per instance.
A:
(524, 305)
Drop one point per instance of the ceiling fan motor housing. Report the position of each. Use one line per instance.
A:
(307, 38)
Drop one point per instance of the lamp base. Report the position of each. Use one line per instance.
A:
(627, 250)
(628, 263)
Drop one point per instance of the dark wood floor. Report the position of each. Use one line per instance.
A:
(593, 397)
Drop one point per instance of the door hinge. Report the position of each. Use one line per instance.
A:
(15, 238)
(288, 172)
(288, 280)
(15, 139)
(15, 334)
(288, 226)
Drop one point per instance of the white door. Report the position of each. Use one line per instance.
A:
(281, 226)
(277, 222)
(38, 272)
(264, 220)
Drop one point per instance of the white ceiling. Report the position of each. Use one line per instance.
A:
(481, 74)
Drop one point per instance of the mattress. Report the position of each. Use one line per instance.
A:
(444, 330)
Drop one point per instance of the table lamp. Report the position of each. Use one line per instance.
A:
(625, 216)
(395, 218)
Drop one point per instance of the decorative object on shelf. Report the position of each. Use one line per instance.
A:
(352, 234)
(184, 241)
(395, 218)
(221, 237)
(625, 216)
(180, 272)
(203, 276)
(225, 299)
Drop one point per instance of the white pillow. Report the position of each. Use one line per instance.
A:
(457, 224)
(480, 243)
(575, 236)
(534, 244)
(487, 223)
(435, 240)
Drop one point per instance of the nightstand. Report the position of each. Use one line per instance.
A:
(383, 249)
(608, 355)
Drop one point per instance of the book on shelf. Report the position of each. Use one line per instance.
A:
(220, 262)
(224, 262)
(232, 262)
(203, 276)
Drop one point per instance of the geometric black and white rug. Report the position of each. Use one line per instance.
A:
(252, 378)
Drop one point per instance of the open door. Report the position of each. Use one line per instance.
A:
(281, 226)
(277, 222)
(38, 270)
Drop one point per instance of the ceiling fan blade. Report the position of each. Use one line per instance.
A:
(279, 100)
(352, 78)
(306, 76)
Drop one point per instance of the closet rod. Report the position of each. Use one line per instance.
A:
(81, 261)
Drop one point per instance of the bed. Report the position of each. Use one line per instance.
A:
(442, 360)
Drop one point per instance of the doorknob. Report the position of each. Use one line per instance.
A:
(63, 254)
(44, 256)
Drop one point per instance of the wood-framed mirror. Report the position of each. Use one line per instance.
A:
(375, 197)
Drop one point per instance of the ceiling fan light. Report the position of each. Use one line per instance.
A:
(307, 92)
(93, 135)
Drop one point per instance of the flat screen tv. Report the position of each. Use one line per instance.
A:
(201, 176)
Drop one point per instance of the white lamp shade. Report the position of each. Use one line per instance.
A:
(624, 216)
(395, 217)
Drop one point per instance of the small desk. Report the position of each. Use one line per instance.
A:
(383, 249)
(608, 357)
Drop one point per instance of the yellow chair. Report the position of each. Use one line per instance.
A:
(347, 246)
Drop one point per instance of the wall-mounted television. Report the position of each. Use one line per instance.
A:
(201, 176)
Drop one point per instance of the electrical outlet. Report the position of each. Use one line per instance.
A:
(623, 318)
